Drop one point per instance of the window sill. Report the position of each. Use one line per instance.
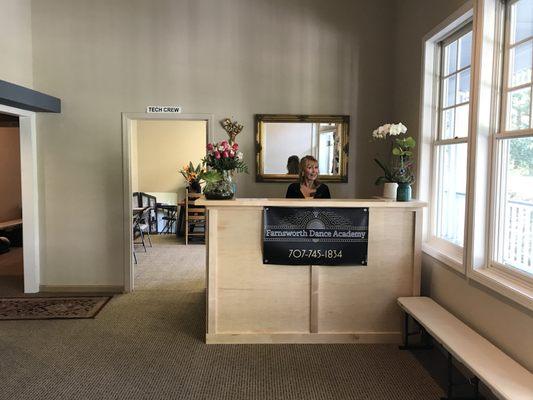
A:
(450, 257)
(504, 284)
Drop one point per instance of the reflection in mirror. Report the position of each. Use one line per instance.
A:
(282, 140)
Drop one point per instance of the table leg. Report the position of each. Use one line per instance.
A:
(180, 221)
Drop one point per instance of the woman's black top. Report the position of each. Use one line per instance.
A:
(294, 192)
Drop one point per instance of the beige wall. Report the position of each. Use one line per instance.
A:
(10, 195)
(163, 148)
(507, 325)
(16, 63)
(414, 19)
(229, 58)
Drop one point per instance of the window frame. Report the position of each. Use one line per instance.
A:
(453, 250)
(500, 134)
(450, 30)
(505, 37)
(484, 121)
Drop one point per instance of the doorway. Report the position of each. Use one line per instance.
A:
(21, 212)
(155, 148)
(11, 254)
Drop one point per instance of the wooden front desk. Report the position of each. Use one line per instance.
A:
(249, 302)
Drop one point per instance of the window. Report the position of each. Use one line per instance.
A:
(450, 144)
(512, 239)
(476, 145)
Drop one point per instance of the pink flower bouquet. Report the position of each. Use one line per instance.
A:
(223, 156)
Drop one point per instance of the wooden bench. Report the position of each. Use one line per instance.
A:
(10, 224)
(503, 376)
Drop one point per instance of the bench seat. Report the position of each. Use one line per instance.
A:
(11, 224)
(505, 377)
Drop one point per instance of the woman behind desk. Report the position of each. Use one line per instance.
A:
(308, 185)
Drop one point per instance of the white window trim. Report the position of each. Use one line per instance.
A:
(446, 252)
(503, 131)
(485, 97)
(517, 286)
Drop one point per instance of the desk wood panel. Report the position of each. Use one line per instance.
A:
(363, 298)
(249, 302)
(252, 297)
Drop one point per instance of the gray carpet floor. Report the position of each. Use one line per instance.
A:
(149, 345)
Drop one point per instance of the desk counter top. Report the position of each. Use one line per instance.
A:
(261, 202)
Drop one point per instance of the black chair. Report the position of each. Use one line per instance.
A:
(5, 244)
(141, 199)
(169, 218)
(142, 227)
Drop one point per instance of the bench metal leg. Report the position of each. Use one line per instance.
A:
(449, 392)
(425, 345)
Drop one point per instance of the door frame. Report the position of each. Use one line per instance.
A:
(30, 196)
(127, 120)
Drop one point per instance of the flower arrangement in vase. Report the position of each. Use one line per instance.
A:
(193, 176)
(223, 159)
(397, 179)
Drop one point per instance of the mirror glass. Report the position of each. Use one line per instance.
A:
(282, 140)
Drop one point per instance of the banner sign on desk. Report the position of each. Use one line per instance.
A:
(315, 236)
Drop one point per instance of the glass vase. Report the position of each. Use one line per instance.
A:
(404, 192)
(220, 190)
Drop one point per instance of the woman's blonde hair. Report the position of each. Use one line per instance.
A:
(303, 165)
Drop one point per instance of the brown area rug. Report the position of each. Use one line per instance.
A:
(51, 307)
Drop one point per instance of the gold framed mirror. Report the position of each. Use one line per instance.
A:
(282, 140)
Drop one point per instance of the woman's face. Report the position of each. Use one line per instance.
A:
(311, 171)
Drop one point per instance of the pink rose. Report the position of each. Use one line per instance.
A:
(217, 154)
(225, 154)
(210, 146)
(231, 153)
(235, 147)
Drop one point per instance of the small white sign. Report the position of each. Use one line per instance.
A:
(163, 109)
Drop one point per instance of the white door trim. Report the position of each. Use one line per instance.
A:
(30, 196)
(127, 119)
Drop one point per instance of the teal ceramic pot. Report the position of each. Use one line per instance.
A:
(404, 192)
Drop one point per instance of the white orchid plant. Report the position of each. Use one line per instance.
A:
(402, 147)
(389, 129)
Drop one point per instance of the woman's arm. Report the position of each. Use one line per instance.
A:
(293, 191)
(323, 192)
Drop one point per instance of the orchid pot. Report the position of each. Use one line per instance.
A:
(389, 190)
